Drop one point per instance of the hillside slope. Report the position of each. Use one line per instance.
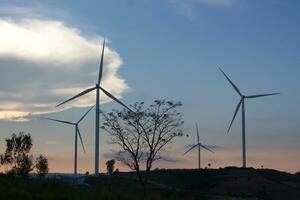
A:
(254, 183)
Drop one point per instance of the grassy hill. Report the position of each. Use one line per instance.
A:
(212, 184)
(259, 183)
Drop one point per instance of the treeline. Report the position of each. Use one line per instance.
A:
(17, 158)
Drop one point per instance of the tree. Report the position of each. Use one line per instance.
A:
(41, 165)
(17, 153)
(144, 134)
(110, 166)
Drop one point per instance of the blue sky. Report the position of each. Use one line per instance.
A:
(167, 49)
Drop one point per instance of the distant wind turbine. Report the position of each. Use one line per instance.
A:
(199, 145)
(77, 133)
(97, 87)
(242, 102)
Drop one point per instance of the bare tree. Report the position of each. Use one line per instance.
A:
(143, 135)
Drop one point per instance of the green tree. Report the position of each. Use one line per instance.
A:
(110, 166)
(17, 153)
(41, 165)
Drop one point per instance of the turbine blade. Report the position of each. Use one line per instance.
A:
(85, 114)
(236, 111)
(233, 85)
(61, 121)
(191, 149)
(114, 98)
(198, 139)
(78, 95)
(101, 64)
(79, 134)
(261, 95)
(208, 149)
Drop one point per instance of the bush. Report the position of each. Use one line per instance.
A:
(41, 165)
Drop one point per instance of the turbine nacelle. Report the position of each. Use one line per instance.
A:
(97, 87)
(77, 131)
(199, 145)
(242, 102)
(243, 97)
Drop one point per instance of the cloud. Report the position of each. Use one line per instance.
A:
(186, 7)
(45, 42)
(51, 142)
(34, 10)
(43, 62)
(215, 2)
(170, 159)
(159, 159)
(209, 146)
(207, 2)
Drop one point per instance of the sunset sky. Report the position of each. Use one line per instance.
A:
(171, 49)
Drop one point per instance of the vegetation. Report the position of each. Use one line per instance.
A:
(211, 184)
(17, 156)
(110, 166)
(41, 165)
(143, 135)
(107, 188)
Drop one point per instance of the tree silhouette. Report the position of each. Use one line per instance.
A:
(41, 165)
(17, 153)
(110, 166)
(143, 135)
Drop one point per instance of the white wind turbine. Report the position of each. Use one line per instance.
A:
(242, 102)
(199, 145)
(77, 133)
(97, 87)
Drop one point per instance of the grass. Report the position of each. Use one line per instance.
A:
(110, 188)
(163, 185)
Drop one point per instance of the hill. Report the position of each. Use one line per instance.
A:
(231, 181)
(212, 184)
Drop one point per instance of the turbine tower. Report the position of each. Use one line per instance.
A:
(199, 145)
(97, 87)
(77, 133)
(242, 102)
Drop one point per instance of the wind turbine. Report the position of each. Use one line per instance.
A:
(199, 145)
(77, 133)
(242, 102)
(97, 87)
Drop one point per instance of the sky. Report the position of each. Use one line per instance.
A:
(170, 49)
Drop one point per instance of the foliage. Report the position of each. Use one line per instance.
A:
(105, 187)
(110, 166)
(163, 184)
(17, 153)
(41, 165)
(144, 134)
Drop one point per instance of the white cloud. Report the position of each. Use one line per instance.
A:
(185, 7)
(215, 2)
(43, 62)
(45, 42)
(209, 2)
